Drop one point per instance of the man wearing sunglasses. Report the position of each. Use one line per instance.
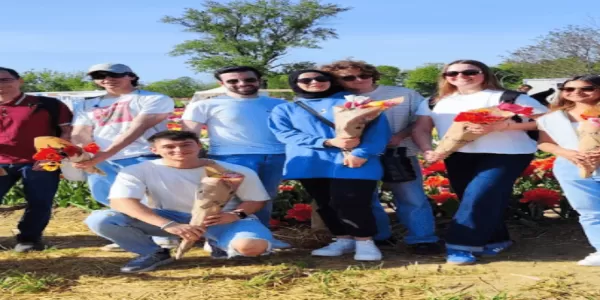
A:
(22, 119)
(237, 129)
(120, 122)
(413, 208)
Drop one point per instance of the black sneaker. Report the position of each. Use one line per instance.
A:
(23, 247)
(387, 243)
(145, 263)
(425, 248)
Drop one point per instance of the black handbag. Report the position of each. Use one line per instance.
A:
(397, 167)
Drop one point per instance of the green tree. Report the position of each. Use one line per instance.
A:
(255, 33)
(509, 76)
(53, 81)
(424, 79)
(390, 75)
(183, 87)
(565, 52)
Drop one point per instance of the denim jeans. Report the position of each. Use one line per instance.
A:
(39, 188)
(413, 210)
(100, 185)
(135, 236)
(484, 184)
(268, 167)
(584, 197)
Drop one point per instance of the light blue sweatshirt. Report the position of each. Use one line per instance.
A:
(304, 135)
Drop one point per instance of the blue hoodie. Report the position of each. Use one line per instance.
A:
(304, 135)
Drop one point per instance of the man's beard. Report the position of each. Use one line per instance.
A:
(252, 91)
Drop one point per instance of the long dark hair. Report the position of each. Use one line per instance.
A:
(561, 103)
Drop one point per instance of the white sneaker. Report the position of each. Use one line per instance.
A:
(367, 251)
(112, 248)
(337, 248)
(207, 247)
(592, 260)
(166, 242)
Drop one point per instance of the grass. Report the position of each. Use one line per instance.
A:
(540, 266)
(15, 282)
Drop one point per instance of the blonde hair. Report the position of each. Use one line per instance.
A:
(561, 103)
(444, 89)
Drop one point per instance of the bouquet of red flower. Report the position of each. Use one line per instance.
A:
(215, 190)
(457, 135)
(53, 153)
(589, 138)
(351, 118)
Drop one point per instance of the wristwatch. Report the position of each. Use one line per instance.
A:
(240, 213)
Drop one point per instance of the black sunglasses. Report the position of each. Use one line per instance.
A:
(103, 75)
(317, 79)
(587, 89)
(353, 77)
(245, 80)
(465, 72)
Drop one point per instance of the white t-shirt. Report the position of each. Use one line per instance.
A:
(175, 189)
(401, 115)
(237, 125)
(504, 142)
(111, 117)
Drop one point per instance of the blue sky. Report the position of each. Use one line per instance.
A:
(68, 35)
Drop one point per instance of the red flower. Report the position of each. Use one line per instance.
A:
(517, 109)
(442, 197)
(71, 150)
(174, 126)
(286, 188)
(436, 181)
(478, 117)
(300, 212)
(529, 171)
(437, 166)
(91, 148)
(50, 154)
(276, 223)
(544, 196)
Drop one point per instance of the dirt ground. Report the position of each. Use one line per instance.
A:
(540, 266)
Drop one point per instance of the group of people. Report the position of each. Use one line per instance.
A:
(152, 174)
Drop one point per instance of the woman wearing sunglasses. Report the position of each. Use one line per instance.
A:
(343, 192)
(482, 173)
(414, 210)
(558, 135)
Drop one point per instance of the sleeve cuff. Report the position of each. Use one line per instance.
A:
(360, 153)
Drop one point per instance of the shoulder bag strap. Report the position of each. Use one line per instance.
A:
(313, 112)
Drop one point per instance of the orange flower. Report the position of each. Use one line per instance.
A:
(286, 188)
(300, 212)
(173, 126)
(436, 181)
(91, 148)
(544, 164)
(50, 154)
(544, 196)
(442, 197)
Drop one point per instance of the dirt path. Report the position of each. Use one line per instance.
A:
(541, 266)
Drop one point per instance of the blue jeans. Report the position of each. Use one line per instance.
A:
(413, 210)
(39, 188)
(136, 236)
(484, 184)
(100, 185)
(584, 197)
(268, 167)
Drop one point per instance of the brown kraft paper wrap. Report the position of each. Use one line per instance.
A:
(589, 140)
(215, 190)
(458, 136)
